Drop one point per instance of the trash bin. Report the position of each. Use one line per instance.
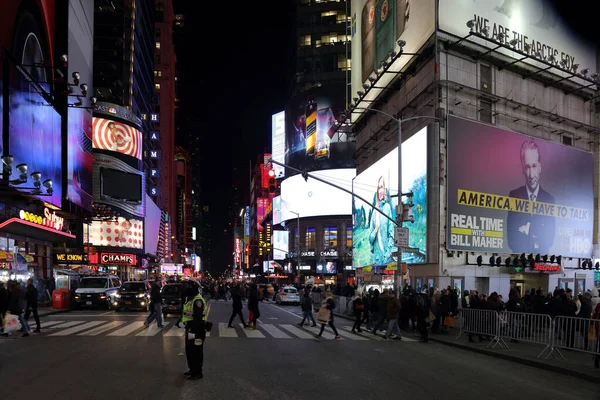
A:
(60, 299)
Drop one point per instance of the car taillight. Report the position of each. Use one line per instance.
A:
(283, 294)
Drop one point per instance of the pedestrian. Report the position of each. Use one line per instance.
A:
(422, 312)
(253, 305)
(358, 307)
(236, 296)
(194, 319)
(325, 315)
(31, 297)
(15, 306)
(3, 307)
(155, 305)
(183, 293)
(393, 313)
(307, 306)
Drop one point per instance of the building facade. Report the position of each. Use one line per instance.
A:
(183, 231)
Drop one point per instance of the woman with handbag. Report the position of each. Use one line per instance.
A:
(325, 315)
(358, 307)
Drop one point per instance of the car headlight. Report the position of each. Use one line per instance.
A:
(117, 296)
(139, 296)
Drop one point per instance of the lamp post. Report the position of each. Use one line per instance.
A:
(297, 242)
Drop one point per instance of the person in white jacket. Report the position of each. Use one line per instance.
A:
(595, 298)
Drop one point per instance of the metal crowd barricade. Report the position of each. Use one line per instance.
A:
(578, 334)
(482, 323)
(522, 327)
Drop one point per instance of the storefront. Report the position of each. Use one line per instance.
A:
(123, 265)
(27, 239)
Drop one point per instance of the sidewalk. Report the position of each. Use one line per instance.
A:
(575, 363)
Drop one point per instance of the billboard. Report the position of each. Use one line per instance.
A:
(312, 198)
(116, 136)
(261, 207)
(373, 234)
(532, 23)
(276, 210)
(278, 142)
(311, 141)
(326, 267)
(511, 193)
(377, 25)
(80, 53)
(152, 222)
(280, 244)
(120, 233)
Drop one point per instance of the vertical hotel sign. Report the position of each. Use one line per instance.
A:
(154, 171)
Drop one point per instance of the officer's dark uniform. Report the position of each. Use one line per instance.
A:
(194, 318)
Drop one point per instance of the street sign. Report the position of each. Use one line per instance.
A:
(400, 237)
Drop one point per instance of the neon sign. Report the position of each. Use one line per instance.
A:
(50, 219)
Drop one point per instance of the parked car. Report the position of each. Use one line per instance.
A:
(171, 295)
(96, 291)
(287, 295)
(132, 294)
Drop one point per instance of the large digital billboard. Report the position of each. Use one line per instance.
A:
(280, 244)
(533, 24)
(120, 233)
(311, 141)
(377, 25)
(373, 235)
(312, 198)
(80, 56)
(278, 142)
(511, 193)
(116, 136)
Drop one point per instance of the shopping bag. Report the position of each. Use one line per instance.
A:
(450, 321)
(324, 315)
(430, 317)
(11, 323)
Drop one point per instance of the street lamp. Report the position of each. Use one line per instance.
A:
(297, 242)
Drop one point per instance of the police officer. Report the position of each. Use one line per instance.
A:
(194, 319)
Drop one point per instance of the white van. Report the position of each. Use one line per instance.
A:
(96, 291)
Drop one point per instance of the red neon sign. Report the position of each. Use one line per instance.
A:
(546, 268)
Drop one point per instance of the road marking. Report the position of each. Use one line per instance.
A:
(273, 331)
(298, 332)
(351, 336)
(175, 331)
(108, 312)
(224, 331)
(151, 331)
(253, 333)
(126, 330)
(103, 328)
(46, 324)
(78, 328)
(370, 336)
(68, 324)
(289, 312)
(317, 329)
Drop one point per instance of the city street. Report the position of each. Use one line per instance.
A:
(102, 354)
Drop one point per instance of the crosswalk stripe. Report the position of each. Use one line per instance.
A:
(317, 329)
(103, 328)
(224, 331)
(152, 330)
(175, 331)
(46, 324)
(252, 333)
(77, 328)
(351, 336)
(68, 324)
(126, 330)
(367, 335)
(297, 332)
(273, 331)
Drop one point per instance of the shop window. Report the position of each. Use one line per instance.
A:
(330, 236)
(349, 237)
(311, 238)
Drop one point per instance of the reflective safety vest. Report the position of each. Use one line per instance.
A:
(188, 309)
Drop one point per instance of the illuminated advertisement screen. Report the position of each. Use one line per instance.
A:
(278, 142)
(261, 206)
(79, 150)
(326, 267)
(116, 136)
(540, 201)
(120, 233)
(279, 242)
(311, 141)
(373, 235)
(313, 198)
(276, 210)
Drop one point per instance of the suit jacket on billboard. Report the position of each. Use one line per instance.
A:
(541, 229)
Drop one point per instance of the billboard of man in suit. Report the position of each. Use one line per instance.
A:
(529, 233)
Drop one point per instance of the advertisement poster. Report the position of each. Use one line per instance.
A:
(311, 141)
(280, 244)
(120, 233)
(534, 24)
(511, 193)
(373, 235)
(377, 25)
(278, 142)
(81, 54)
(118, 137)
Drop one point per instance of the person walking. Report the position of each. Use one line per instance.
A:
(155, 305)
(393, 313)
(253, 305)
(31, 297)
(325, 315)
(15, 306)
(307, 306)
(237, 307)
(194, 319)
(358, 308)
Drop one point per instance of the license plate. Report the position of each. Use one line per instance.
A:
(88, 303)
(127, 302)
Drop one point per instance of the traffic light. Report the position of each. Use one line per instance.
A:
(272, 183)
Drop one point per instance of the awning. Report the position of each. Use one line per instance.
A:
(21, 227)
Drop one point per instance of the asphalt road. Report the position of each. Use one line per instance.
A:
(103, 355)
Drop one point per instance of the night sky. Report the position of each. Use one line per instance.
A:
(235, 63)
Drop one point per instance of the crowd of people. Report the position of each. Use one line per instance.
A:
(21, 303)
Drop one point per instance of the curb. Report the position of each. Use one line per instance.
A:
(525, 361)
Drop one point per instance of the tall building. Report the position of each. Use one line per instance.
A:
(259, 202)
(163, 135)
(183, 223)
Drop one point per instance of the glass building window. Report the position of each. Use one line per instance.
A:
(330, 236)
(157, 74)
(311, 238)
(304, 40)
(349, 237)
(157, 86)
(158, 45)
(343, 64)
